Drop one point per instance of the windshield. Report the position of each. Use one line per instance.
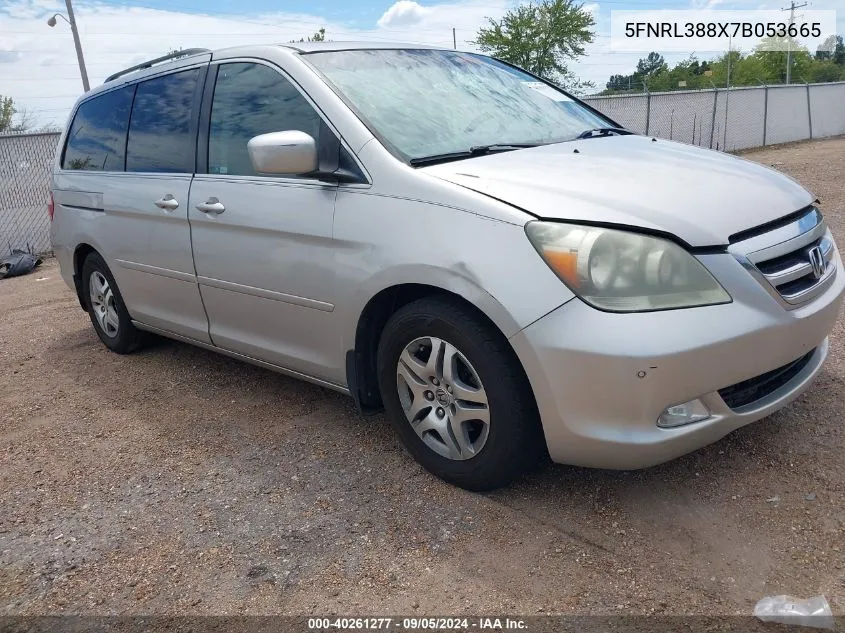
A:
(429, 102)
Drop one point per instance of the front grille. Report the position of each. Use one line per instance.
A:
(792, 275)
(750, 391)
(795, 261)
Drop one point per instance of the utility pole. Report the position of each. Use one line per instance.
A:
(79, 58)
(727, 99)
(728, 82)
(454, 39)
(791, 9)
(78, 46)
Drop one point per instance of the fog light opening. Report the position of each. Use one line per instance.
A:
(683, 414)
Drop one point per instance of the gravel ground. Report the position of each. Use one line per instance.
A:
(177, 481)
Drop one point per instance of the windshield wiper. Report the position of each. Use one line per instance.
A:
(475, 150)
(603, 131)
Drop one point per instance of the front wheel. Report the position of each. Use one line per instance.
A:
(457, 396)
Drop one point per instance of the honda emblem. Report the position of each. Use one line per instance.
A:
(817, 262)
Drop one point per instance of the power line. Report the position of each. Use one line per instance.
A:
(165, 34)
(227, 33)
(192, 10)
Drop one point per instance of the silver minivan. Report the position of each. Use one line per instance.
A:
(505, 271)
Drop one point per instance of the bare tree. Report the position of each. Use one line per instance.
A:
(24, 119)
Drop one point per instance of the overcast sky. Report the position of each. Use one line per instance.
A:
(38, 65)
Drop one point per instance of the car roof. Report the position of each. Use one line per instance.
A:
(314, 47)
(189, 57)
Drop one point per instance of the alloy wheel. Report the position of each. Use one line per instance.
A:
(102, 304)
(443, 398)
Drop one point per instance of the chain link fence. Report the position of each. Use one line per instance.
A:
(735, 119)
(728, 120)
(25, 163)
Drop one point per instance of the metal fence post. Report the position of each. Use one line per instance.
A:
(765, 113)
(809, 111)
(725, 131)
(713, 121)
(647, 109)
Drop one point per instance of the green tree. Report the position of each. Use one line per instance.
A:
(750, 70)
(12, 118)
(618, 83)
(832, 49)
(745, 70)
(654, 74)
(7, 113)
(764, 65)
(319, 36)
(826, 48)
(774, 61)
(651, 65)
(826, 71)
(541, 36)
(687, 74)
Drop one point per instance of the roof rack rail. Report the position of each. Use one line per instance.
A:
(158, 60)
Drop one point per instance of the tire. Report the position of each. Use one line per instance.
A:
(106, 309)
(433, 418)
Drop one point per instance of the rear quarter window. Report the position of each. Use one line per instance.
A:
(97, 137)
(160, 138)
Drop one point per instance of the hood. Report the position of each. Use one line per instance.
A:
(698, 195)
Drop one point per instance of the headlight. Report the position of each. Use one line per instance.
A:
(621, 271)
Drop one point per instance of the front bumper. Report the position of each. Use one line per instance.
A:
(601, 379)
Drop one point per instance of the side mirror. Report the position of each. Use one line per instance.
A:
(289, 152)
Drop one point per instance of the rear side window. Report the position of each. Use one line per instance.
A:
(252, 99)
(97, 137)
(160, 138)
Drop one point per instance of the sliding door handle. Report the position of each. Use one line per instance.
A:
(212, 205)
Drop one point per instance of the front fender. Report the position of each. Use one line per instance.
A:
(383, 242)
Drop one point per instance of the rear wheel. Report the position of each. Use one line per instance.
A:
(105, 306)
(457, 396)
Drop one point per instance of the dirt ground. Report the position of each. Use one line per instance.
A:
(177, 481)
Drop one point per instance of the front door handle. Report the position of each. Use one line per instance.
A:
(168, 202)
(212, 205)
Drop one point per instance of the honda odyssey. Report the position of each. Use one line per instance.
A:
(502, 269)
